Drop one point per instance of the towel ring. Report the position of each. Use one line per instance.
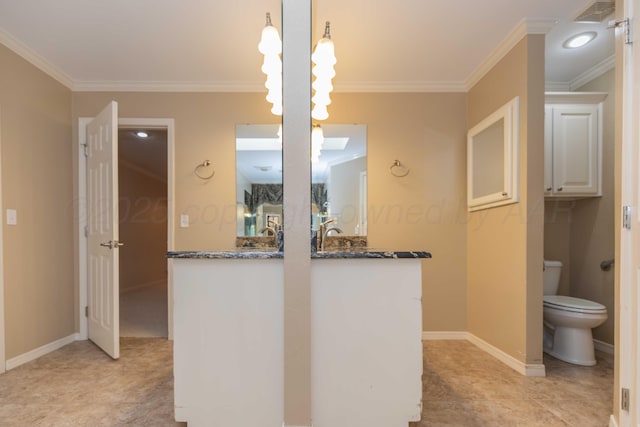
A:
(204, 164)
(399, 170)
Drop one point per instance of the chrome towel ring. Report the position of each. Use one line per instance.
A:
(201, 166)
(399, 170)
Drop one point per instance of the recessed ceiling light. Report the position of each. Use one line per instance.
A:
(579, 40)
(142, 134)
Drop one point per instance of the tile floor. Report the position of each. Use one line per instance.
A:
(463, 386)
(79, 385)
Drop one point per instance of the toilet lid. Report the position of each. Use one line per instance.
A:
(563, 302)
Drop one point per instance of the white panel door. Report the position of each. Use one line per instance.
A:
(102, 227)
(628, 348)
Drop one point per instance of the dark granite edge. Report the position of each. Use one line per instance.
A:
(353, 254)
(255, 254)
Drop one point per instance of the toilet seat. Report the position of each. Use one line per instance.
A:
(572, 304)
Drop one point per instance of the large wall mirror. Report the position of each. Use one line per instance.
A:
(339, 179)
(492, 159)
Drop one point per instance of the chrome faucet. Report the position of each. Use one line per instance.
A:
(268, 230)
(324, 232)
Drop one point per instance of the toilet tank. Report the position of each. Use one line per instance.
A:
(551, 276)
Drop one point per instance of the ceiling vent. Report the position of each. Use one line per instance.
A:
(597, 12)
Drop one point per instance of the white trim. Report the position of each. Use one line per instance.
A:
(529, 370)
(612, 421)
(536, 370)
(160, 86)
(83, 122)
(604, 347)
(575, 97)
(400, 87)
(344, 87)
(525, 27)
(2, 343)
(35, 59)
(444, 335)
(594, 72)
(14, 362)
(557, 87)
(169, 124)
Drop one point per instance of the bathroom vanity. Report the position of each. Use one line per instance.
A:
(366, 330)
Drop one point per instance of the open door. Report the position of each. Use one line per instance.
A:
(102, 231)
(629, 297)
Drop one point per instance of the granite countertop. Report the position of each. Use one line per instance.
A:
(254, 253)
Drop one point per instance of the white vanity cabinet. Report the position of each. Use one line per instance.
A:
(573, 144)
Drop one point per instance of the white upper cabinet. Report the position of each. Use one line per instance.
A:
(573, 144)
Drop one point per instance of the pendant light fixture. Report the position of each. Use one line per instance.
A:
(271, 47)
(323, 58)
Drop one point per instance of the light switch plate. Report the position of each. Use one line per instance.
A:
(12, 217)
(184, 221)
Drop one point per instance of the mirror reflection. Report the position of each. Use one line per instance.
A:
(339, 179)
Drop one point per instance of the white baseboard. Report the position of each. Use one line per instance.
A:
(537, 370)
(14, 362)
(529, 370)
(603, 347)
(445, 335)
(612, 421)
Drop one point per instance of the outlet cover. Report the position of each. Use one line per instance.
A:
(12, 217)
(184, 221)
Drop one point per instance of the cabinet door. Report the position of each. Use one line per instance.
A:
(548, 150)
(575, 150)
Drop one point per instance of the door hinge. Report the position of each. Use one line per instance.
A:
(626, 217)
(626, 23)
(624, 399)
(86, 149)
(86, 311)
(86, 231)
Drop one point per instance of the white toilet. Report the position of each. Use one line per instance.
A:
(568, 321)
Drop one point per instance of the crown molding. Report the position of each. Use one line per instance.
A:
(400, 86)
(35, 58)
(557, 87)
(574, 97)
(346, 87)
(525, 27)
(159, 86)
(594, 72)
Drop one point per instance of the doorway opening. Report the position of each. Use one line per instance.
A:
(166, 126)
(142, 207)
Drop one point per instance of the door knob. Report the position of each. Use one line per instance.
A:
(112, 244)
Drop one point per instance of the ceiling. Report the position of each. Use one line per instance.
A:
(400, 45)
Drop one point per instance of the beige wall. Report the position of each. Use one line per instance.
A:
(592, 228)
(143, 228)
(37, 182)
(557, 238)
(582, 235)
(505, 244)
(425, 210)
